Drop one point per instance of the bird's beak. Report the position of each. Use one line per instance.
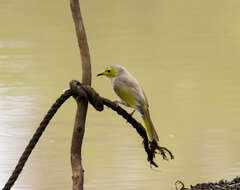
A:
(100, 74)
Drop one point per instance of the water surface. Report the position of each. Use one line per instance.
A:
(184, 53)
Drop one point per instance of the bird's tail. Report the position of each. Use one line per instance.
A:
(151, 132)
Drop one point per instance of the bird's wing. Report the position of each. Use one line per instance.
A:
(146, 100)
(129, 90)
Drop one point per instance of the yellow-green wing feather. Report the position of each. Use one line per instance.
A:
(127, 97)
(128, 89)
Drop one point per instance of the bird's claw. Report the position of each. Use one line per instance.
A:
(132, 113)
(116, 102)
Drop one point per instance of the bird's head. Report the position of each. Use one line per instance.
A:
(112, 71)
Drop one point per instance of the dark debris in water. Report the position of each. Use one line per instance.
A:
(221, 185)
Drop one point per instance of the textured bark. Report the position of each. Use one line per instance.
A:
(82, 104)
(82, 42)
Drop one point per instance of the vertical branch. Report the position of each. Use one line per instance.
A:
(82, 42)
(82, 105)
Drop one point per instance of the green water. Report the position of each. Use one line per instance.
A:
(184, 53)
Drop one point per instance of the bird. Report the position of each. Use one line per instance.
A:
(131, 94)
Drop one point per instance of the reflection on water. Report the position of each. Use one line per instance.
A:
(186, 61)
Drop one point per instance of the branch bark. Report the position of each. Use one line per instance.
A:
(82, 104)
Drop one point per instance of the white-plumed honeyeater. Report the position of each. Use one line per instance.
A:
(131, 94)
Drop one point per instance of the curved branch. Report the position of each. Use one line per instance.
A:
(98, 103)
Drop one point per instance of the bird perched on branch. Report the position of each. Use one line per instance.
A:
(131, 94)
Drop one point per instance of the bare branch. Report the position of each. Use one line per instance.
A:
(82, 104)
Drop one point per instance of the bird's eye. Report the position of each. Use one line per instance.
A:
(108, 71)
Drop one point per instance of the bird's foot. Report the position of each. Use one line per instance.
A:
(132, 112)
(117, 102)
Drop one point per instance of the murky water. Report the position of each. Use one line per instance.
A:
(184, 53)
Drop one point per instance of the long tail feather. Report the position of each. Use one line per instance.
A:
(151, 132)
